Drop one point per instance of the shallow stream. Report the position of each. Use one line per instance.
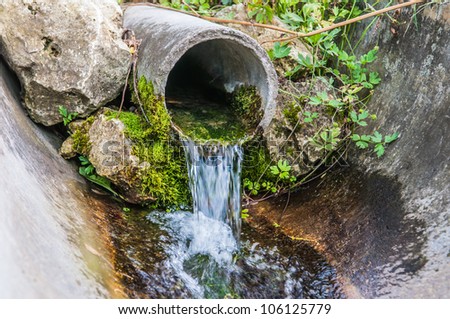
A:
(206, 253)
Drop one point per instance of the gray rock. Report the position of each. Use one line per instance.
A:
(111, 155)
(288, 136)
(67, 149)
(66, 53)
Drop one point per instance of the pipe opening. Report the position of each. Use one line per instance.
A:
(199, 88)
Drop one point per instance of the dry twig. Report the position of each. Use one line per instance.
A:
(130, 40)
(284, 30)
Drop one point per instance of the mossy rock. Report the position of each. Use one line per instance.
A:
(144, 160)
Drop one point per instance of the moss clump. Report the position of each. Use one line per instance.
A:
(208, 123)
(246, 102)
(256, 160)
(291, 113)
(80, 136)
(163, 175)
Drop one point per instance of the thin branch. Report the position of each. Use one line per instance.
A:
(136, 91)
(190, 8)
(285, 206)
(347, 22)
(284, 30)
(125, 88)
(213, 19)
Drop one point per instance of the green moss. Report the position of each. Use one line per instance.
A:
(246, 101)
(291, 113)
(224, 122)
(80, 136)
(256, 159)
(214, 122)
(164, 177)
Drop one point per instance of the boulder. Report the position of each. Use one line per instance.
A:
(102, 139)
(66, 53)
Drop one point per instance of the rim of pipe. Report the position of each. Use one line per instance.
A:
(190, 32)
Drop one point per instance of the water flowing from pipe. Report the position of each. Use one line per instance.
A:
(215, 181)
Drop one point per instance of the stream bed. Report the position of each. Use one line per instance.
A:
(180, 255)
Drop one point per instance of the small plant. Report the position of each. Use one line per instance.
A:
(327, 139)
(275, 179)
(363, 141)
(87, 170)
(310, 117)
(282, 170)
(244, 214)
(261, 11)
(279, 51)
(67, 117)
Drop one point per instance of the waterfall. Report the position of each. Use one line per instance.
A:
(215, 181)
(204, 254)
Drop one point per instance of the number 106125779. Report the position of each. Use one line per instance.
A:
(296, 309)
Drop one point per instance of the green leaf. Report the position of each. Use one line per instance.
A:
(281, 51)
(379, 150)
(99, 180)
(362, 123)
(377, 137)
(364, 114)
(362, 145)
(335, 132)
(335, 104)
(374, 78)
(89, 170)
(284, 166)
(63, 111)
(365, 138)
(84, 160)
(323, 96)
(390, 138)
(244, 213)
(284, 175)
(308, 120)
(356, 137)
(315, 100)
(274, 170)
(343, 56)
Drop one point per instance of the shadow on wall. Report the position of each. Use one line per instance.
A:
(359, 221)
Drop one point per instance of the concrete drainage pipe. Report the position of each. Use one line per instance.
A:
(181, 50)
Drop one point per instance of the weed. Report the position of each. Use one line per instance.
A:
(66, 115)
(88, 171)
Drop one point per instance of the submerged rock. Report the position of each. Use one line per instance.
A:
(66, 53)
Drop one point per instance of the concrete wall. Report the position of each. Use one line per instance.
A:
(385, 222)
